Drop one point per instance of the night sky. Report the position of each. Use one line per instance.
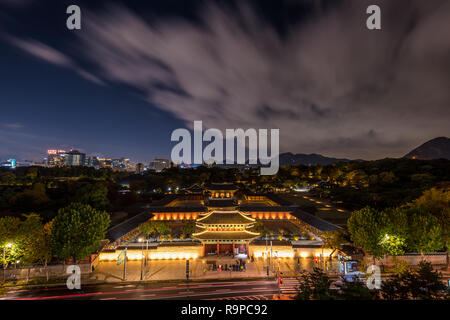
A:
(137, 70)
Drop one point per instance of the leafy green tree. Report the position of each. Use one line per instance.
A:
(393, 244)
(355, 290)
(9, 231)
(7, 178)
(364, 226)
(315, 286)
(188, 229)
(425, 233)
(334, 240)
(95, 195)
(163, 228)
(29, 199)
(437, 203)
(28, 237)
(34, 240)
(423, 284)
(155, 228)
(78, 230)
(393, 236)
(387, 178)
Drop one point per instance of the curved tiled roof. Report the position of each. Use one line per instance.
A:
(225, 235)
(225, 217)
(221, 203)
(315, 222)
(222, 186)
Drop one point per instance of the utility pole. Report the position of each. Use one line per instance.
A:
(142, 259)
(146, 253)
(267, 259)
(187, 274)
(279, 279)
(271, 261)
(125, 266)
(4, 263)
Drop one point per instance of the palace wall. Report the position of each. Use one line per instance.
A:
(162, 252)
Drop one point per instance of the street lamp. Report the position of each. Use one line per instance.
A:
(5, 264)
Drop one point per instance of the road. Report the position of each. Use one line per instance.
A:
(243, 289)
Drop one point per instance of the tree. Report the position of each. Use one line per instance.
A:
(423, 284)
(425, 234)
(148, 228)
(437, 203)
(364, 226)
(9, 229)
(334, 240)
(29, 199)
(188, 229)
(95, 195)
(28, 238)
(7, 178)
(393, 236)
(315, 286)
(387, 178)
(355, 290)
(155, 228)
(78, 230)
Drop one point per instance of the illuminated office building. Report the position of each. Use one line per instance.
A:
(75, 158)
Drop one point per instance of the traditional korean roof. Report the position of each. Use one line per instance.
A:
(195, 188)
(225, 235)
(254, 208)
(118, 231)
(222, 186)
(221, 203)
(313, 221)
(225, 217)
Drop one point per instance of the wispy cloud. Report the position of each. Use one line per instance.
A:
(51, 55)
(12, 125)
(16, 2)
(331, 85)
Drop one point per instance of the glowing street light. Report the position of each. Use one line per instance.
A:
(5, 264)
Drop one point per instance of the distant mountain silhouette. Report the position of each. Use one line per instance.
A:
(437, 148)
(290, 159)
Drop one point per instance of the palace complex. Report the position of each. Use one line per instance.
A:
(227, 222)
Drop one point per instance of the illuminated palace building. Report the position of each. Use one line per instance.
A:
(227, 223)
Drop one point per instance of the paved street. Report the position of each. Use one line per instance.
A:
(153, 291)
(176, 269)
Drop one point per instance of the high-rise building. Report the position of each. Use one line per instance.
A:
(56, 158)
(75, 158)
(10, 163)
(139, 168)
(159, 164)
(120, 164)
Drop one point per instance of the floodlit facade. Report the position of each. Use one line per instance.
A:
(226, 226)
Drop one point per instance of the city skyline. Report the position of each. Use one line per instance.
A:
(109, 93)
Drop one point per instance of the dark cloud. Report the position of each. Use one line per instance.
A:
(329, 84)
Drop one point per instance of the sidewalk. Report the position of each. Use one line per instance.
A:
(176, 269)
